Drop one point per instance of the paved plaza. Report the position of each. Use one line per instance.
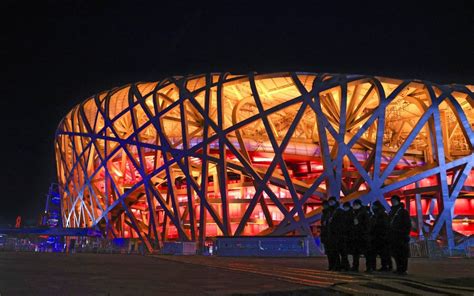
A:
(103, 274)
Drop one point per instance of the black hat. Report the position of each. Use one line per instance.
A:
(395, 197)
(332, 198)
(357, 202)
(347, 204)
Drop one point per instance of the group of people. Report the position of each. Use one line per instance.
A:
(370, 231)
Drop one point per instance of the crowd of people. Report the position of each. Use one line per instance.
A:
(370, 231)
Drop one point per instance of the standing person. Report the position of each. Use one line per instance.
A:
(332, 226)
(371, 258)
(399, 234)
(343, 244)
(378, 240)
(360, 234)
(324, 227)
(339, 234)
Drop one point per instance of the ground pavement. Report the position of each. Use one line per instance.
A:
(103, 274)
(447, 276)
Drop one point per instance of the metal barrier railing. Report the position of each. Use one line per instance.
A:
(432, 249)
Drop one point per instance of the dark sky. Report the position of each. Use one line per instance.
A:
(54, 54)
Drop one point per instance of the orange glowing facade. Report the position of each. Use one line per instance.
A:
(188, 158)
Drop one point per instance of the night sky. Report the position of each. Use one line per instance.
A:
(57, 54)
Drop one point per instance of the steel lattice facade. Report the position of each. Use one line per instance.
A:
(192, 157)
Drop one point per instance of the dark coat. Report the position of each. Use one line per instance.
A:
(360, 223)
(360, 230)
(327, 213)
(379, 227)
(399, 224)
(334, 226)
(346, 220)
(338, 230)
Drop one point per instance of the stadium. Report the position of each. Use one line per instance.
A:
(200, 156)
